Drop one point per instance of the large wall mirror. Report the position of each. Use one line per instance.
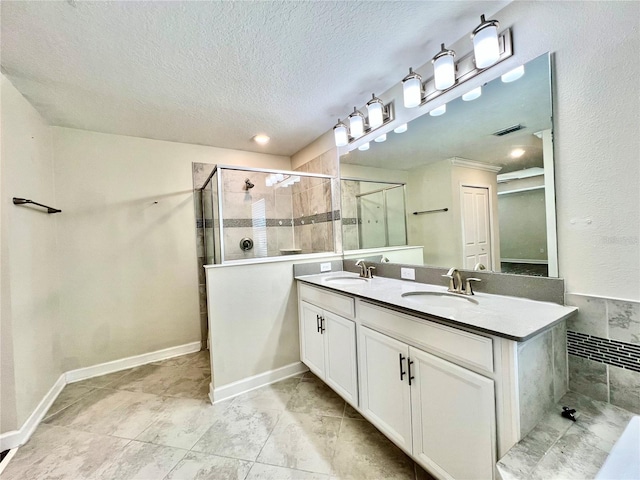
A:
(477, 183)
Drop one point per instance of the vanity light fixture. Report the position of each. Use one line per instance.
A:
(441, 110)
(444, 69)
(356, 123)
(486, 46)
(375, 108)
(412, 89)
(381, 138)
(341, 134)
(401, 129)
(513, 75)
(450, 72)
(261, 139)
(472, 94)
(364, 147)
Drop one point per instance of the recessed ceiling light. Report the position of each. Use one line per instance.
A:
(517, 153)
(261, 139)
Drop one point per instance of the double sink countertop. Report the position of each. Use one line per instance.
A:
(509, 317)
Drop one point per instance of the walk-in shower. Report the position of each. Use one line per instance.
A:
(255, 213)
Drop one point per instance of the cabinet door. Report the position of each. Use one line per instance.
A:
(340, 356)
(385, 397)
(311, 339)
(453, 418)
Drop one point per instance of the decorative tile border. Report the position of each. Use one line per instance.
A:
(273, 222)
(603, 350)
(351, 221)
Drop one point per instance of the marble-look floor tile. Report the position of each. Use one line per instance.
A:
(176, 381)
(111, 412)
(181, 422)
(61, 453)
(140, 461)
(180, 360)
(69, 395)
(301, 441)
(363, 452)
(189, 382)
(200, 466)
(238, 432)
(350, 412)
(588, 377)
(314, 397)
(575, 456)
(605, 421)
(261, 471)
(103, 380)
(270, 397)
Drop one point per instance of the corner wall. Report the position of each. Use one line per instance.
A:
(31, 334)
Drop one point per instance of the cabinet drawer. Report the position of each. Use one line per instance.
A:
(471, 349)
(333, 302)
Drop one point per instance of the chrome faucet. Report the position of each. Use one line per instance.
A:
(455, 281)
(479, 266)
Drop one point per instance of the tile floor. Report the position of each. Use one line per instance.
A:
(155, 422)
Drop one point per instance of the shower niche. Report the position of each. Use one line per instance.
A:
(255, 213)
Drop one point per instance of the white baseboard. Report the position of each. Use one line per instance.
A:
(251, 383)
(16, 438)
(130, 362)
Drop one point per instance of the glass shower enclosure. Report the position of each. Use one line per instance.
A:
(250, 213)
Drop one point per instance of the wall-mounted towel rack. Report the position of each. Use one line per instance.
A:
(431, 211)
(23, 201)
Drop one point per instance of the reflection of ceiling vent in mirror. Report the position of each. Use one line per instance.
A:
(508, 130)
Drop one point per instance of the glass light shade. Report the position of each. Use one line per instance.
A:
(436, 112)
(401, 129)
(356, 123)
(472, 95)
(279, 177)
(486, 48)
(261, 139)
(340, 134)
(268, 182)
(517, 153)
(381, 138)
(364, 146)
(444, 69)
(412, 90)
(376, 116)
(513, 75)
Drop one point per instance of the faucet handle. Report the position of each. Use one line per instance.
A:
(369, 272)
(452, 283)
(468, 290)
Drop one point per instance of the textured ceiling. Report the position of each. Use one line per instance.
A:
(217, 73)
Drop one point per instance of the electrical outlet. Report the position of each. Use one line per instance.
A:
(325, 267)
(408, 273)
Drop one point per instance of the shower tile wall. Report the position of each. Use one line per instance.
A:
(350, 215)
(603, 341)
(321, 229)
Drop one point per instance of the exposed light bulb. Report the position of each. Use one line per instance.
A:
(436, 112)
(513, 75)
(412, 89)
(486, 48)
(401, 129)
(444, 69)
(381, 138)
(472, 94)
(364, 147)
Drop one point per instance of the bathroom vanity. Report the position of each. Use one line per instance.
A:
(454, 381)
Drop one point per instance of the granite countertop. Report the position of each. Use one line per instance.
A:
(509, 317)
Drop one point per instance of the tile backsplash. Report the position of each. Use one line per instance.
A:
(603, 342)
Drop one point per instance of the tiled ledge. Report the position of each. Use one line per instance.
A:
(558, 448)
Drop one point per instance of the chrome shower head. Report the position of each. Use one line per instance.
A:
(248, 185)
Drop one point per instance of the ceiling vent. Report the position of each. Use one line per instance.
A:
(508, 130)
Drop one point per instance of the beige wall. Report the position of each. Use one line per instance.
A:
(596, 122)
(129, 277)
(31, 336)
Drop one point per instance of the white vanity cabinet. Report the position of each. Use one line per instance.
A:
(328, 340)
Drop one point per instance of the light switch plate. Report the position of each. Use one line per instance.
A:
(325, 267)
(408, 273)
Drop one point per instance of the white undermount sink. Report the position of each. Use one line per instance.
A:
(345, 280)
(440, 299)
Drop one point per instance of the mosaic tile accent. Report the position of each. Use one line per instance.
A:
(602, 350)
(351, 221)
